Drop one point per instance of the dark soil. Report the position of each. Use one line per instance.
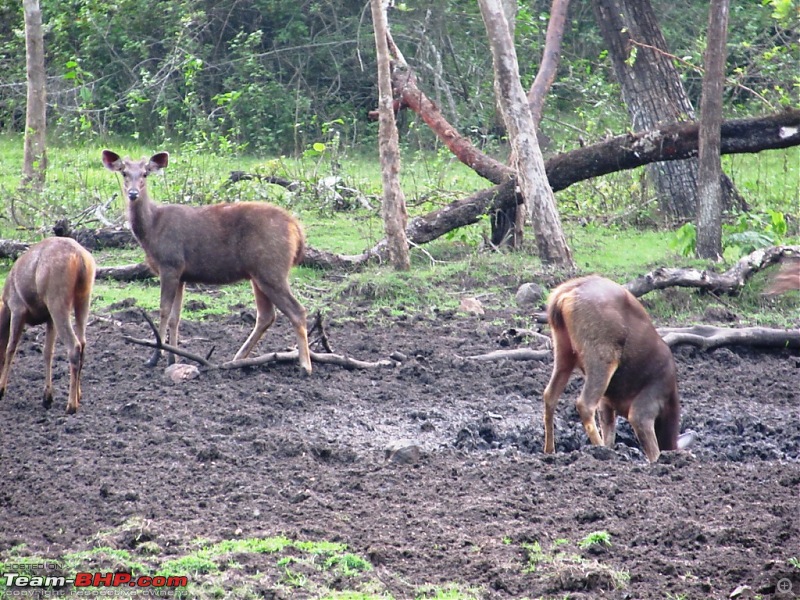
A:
(266, 451)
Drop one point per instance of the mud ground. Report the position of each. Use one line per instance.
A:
(266, 451)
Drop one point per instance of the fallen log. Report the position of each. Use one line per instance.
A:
(707, 337)
(137, 272)
(702, 336)
(729, 282)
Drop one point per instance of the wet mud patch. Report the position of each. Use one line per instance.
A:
(268, 451)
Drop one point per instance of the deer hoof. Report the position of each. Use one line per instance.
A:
(47, 400)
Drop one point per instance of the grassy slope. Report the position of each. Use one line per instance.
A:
(598, 217)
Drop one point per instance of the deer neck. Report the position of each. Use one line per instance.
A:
(141, 213)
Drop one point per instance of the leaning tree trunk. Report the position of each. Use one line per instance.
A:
(709, 192)
(536, 190)
(503, 220)
(653, 93)
(34, 165)
(393, 205)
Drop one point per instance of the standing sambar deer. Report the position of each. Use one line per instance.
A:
(217, 244)
(48, 282)
(601, 328)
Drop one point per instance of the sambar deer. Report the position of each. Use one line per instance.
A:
(788, 278)
(601, 328)
(217, 244)
(48, 282)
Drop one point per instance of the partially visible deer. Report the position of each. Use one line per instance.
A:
(601, 328)
(217, 244)
(788, 278)
(48, 282)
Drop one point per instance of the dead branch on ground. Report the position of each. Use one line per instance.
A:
(705, 337)
(729, 282)
(340, 360)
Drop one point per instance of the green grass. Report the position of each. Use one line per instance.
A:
(547, 564)
(443, 271)
(233, 568)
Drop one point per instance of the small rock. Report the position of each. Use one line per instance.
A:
(742, 592)
(472, 306)
(529, 295)
(404, 452)
(180, 372)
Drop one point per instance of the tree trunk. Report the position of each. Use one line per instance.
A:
(503, 220)
(652, 91)
(709, 192)
(394, 212)
(539, 198)
(34, 165)
(549, 65)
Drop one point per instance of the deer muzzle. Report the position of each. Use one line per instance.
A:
(133, 194)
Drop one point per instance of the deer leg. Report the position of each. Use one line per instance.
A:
(175, 320)
(608, 422)
(169, 288)
(642, 416)
(598, 373)
(81, 316)
(563, 366)
(16, 327)
(62, 326)
(282, 297)
(49, 347)
(265, 317)
(5, 328)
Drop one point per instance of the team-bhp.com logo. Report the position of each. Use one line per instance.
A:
(26, 579)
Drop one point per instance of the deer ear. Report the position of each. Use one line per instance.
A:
(111, 160)
(158, 161)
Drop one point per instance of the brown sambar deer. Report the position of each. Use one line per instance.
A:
(217, 244)
(787, 279)
(48, 282)
(601, 328)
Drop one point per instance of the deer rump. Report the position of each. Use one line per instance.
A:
(600, 328)
(49, 282)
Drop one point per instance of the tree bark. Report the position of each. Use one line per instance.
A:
(503, 220)
(653, 93)
(34, 165)
(539, 198)
(550, 56)
(709, 191)
(394, 212)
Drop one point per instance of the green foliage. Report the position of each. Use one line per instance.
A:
(751, 231)
(595, 538)
(684, 240)
(267, 75)
(547, 564)
(744, 234)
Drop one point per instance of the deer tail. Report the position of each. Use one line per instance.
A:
(561, 303)
(300, 245)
